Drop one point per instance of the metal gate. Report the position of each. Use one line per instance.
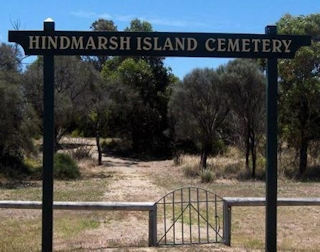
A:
(189, 215)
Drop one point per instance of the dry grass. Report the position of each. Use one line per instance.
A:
(298, 227)
(132, 180)
(230, 165)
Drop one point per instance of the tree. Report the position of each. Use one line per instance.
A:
(99, 110)
(101, 25)
(10, 58)
(146, 79)
(139, 119)
(16, 117)
(300, 88)
(245, 85)
(73, 80)
(199, 107)
(136, 25)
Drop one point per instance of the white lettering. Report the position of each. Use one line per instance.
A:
(192, 44)
(156, 46)
(209, 44)
(52, 43)
(125, 42)
(139, 43)
(102, 42)
(179, 44)
(43, 42)
(286, 44)
(76, 43)
(245, 45)
(168, 45)
(147, 44)
(233, 46)
(256, 44)
(276, 45)
(90, 43)
(221, 45)
(64, 42)
(34, 42)
(266, 45)
(113, 41)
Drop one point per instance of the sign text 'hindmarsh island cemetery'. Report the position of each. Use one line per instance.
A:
(158, 44)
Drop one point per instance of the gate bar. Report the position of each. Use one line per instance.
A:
(207, 212)
(190, 216)
(174, 221)
(182, 215)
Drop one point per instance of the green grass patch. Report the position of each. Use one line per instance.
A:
(78, 190)
(20, 234)
(65, 167)
(71, 226)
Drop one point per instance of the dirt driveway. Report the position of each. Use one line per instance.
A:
(132, 180)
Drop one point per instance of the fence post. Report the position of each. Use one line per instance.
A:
(226, 223)
(153, 226)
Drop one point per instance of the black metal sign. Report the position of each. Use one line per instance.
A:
(224, 45)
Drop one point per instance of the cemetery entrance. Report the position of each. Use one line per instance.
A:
(50, 42)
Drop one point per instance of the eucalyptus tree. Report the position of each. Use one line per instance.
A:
(16, 116)
(73, 80)
(245, 86)
(299, 88)
(101, 25)
(147, 80)
(199, 107)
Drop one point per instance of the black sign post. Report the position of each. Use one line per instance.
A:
(48, 144)
(226, 45)
(271, 150)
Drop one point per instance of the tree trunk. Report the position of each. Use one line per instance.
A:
(303, 156)
(247, 152)
(253, 155)
(206, 148)
(203, 161)
(98, 144)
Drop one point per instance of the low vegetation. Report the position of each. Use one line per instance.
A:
(65, 167)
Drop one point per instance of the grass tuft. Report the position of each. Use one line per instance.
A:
(207, 176)
(191, 170)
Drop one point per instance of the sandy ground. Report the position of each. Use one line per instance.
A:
(128, 231)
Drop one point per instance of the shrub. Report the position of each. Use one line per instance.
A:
(207, 176)
(65, 167)
(232, 168)
(219, 147)
(77, 133)
(261, 168)
(116, 145)
(12, 165)
(191, 170)
(82, 152)
(177, 159)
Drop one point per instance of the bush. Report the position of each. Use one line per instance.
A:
(82, 152)
(12, 165)
(232, 168)
(218, 147)
(65, 167)
(177, 159)
(77, 133)
(191, 170)
(116, 146)
(207, 176)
